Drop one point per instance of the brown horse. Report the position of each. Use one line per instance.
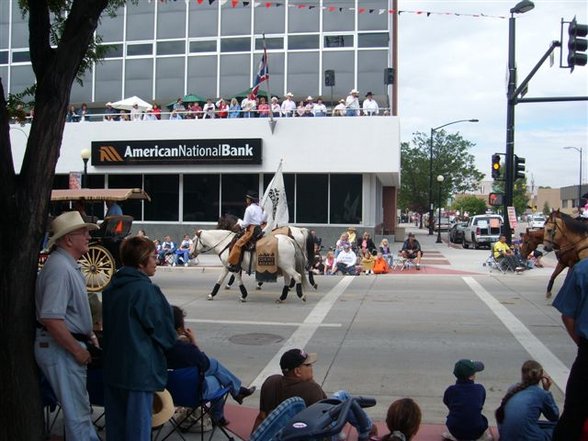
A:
(531, 240)
(567, 236)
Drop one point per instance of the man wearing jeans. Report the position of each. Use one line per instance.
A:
(346, 261)
(64, 324)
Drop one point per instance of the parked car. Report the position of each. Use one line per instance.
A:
(482, 230)
(457, 231)
(537, 221)
(444, 225)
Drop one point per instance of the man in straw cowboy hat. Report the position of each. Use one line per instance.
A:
(64, 323)
(251, 221)
(352, 103)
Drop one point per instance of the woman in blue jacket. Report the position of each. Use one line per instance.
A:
(521, 407)
(138, 329)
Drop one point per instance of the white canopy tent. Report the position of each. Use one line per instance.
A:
(128, 103)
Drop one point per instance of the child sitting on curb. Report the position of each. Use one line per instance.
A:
(465, 400)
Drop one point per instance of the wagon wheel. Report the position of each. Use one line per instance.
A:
(97, 267)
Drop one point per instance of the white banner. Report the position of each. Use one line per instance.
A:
(275, 203)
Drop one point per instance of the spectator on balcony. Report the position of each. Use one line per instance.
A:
(149, 116)
(72, 115)
(222, 108)
(110, 114)
(301, 109)
(319, 109)
(264, 108)
(136, 113)
(352, 103)
(209, 109)
(234, 109)
(248, 106)
(175, 116)
(276, 108)
(340, 109)
(84, 113)
(194, 111)
(156, 110)
(288, 106)
(179, 106)
(308, 107)
(370, 106)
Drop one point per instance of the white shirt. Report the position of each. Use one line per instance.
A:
(288, 107)
(370, 107)
(347, 257)
(208, 110)
(321, 109)
(253, 216)
(352, 103)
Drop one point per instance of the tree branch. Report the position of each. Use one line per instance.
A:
(39, 32)
(6, 160)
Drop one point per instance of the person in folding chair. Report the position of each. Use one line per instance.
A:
(138, 329)
(186, 353)
(411, 249)
(505, 256)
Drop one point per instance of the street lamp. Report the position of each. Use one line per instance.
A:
(440, 180)
(520, 8)
(578, 149)
(431, 217)
(85, 154)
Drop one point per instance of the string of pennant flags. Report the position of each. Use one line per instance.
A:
(333, 9)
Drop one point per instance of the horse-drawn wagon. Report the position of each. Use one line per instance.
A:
(102, 259)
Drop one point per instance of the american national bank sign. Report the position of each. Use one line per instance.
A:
(180, 151)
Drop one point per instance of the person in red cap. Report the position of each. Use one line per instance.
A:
(296, 381)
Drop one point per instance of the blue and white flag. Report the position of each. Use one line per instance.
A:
(262, 74)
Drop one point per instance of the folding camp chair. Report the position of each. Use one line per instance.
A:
(95, 388)
(186, 387)
(277, 419)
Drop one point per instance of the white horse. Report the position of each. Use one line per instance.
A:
(289, 260)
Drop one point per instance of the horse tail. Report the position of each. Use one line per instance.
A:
(300, 264)
(309, 248)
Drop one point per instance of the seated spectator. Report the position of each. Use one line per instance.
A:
(403, 420)
(370, 106)
(523, 404)
(301, 109)
(110, 114)
(288, 106)
(465, 400)
(248, 106)
(222, 108)
(352, 236)
(264, 108)
(343, 241)
(149, 116)
(195, 111)
(186, 353)
(156, 110)
(346, 261)
(534, 259)
(209, 109)
(329, 263)
(366, 243)
(234, 109)
(411, 249)
(167, 247)
(340, 108)
(123, 116)
(175, 115)
(157, 247)
(386, 251)
(136, 113)
(183, 251)
(367, 261)
(502, 251)
(308, 107)
(84, 113)
(179, 106)
(72, 114)
(381, 264)
(318, 267)
(142, 233)
(275, 107)
(319, 108)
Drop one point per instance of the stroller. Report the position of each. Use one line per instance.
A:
(323, 420)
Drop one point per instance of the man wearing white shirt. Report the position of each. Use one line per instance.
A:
(370, 106)
(352, 103)
(288, 106)
(346, 261)
(252, 219)
(319, 109)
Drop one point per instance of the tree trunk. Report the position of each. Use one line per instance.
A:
(24, 198)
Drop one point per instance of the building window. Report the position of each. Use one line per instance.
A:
(373, 40)
(201, 202)
(170, 74)
(114, 50)
(270, 43)
(289, 184)
(342, 63)
(140, 20)
(236, 44)
(203, 20)
(202, 75)
(236, 21)
(171, 20)
(370, 73)
(303, 74)
(171, 47)
(312, 198)
(139, 78)
(3, 57)
(234, 74)
(339, 21)
(304, 20)
(111, 28)
(108, 81)
(234, 188)
(338, 41)
(371, 19)
(139, 49)
(203, 46)
(21, 57)
(83, 93)
(269, 20)
(21, 78)
(346, 199)
(300, 42)
(164, 192)
(130, 207)
(564, 203)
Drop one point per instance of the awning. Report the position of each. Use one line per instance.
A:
(99, 194)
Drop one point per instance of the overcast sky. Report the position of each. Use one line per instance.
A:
(454, 67)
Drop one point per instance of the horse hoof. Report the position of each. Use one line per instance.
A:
(258, 288)
(227, 286)
(548, 295)
(210, 297)
(280, 301)
(315, 286)
(242, 299)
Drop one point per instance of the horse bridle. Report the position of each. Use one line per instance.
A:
(554, 245)
(205, 250)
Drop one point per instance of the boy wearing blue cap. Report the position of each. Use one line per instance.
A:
(465, 400)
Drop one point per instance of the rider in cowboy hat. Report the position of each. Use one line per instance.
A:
(251, 221)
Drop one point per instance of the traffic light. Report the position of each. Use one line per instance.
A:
(519, 168)
(495, 199)
(495, 166)
(576, 45)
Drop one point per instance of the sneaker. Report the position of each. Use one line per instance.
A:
(418, 267)
(186, 264)
(244, 392)
(174, 264)
(519, 268)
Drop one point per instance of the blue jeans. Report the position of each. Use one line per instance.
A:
(68, 380)
(128, 414)
(184, 254)
(216, 377)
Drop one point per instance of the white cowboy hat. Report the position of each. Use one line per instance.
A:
(308, 98)
(274, 98)
(163, 408)
(290, 94)
(66, 223)
(354, 91)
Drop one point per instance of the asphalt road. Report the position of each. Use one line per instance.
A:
(387, 336)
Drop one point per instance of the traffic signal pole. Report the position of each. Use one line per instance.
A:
(510, 127)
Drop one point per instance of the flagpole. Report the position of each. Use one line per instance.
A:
(272, 122)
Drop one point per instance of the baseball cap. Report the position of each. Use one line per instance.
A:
(295, 357)
(466, 368)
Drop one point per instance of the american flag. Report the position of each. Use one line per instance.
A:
(262, 74)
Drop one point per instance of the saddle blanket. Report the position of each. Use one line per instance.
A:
(266, 265)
